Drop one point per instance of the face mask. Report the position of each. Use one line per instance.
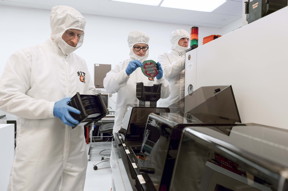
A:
(66, 48)
(180, 49)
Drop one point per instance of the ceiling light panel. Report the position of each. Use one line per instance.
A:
(196, 5)
(142, 2)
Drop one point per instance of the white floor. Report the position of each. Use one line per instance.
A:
(100, 179)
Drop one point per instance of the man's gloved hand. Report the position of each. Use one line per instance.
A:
(160, 71)
(61, 110)
(132, 66)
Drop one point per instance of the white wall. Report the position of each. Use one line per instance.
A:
(238, 23)
(105, 39)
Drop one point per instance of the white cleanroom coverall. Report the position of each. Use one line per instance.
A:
(50, 156)
(173, 64)
(117, 81)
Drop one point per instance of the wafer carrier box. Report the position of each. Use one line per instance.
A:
(92, 108)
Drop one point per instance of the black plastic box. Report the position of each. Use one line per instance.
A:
(256, 9)
(92, 107)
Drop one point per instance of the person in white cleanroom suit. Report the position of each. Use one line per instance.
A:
(173, 64)
(36, 85)
(122, 79)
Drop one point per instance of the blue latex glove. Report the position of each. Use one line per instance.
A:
(160, 71)
(132, 66)
(61, 110)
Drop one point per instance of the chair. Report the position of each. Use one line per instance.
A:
(106, 133)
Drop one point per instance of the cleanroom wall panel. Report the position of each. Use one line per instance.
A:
(253, 59)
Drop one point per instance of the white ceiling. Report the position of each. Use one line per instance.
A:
(222, 16)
